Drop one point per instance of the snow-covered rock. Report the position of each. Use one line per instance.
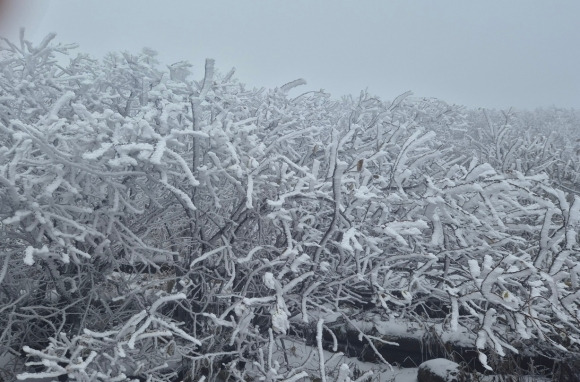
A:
(438, 370)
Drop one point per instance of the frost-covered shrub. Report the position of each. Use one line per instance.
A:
(149, 219)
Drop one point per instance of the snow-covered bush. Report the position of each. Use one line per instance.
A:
(149, 220)
(546, 140)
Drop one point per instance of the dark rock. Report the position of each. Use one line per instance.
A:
(438, 370)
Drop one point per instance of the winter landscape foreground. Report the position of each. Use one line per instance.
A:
(158, 227)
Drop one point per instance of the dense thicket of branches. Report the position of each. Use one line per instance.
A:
(149, 220)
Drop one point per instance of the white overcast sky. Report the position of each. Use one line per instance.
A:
(492, 53)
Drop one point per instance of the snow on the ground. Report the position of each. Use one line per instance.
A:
(300, 355)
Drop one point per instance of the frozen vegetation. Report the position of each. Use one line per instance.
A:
(169, 224)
